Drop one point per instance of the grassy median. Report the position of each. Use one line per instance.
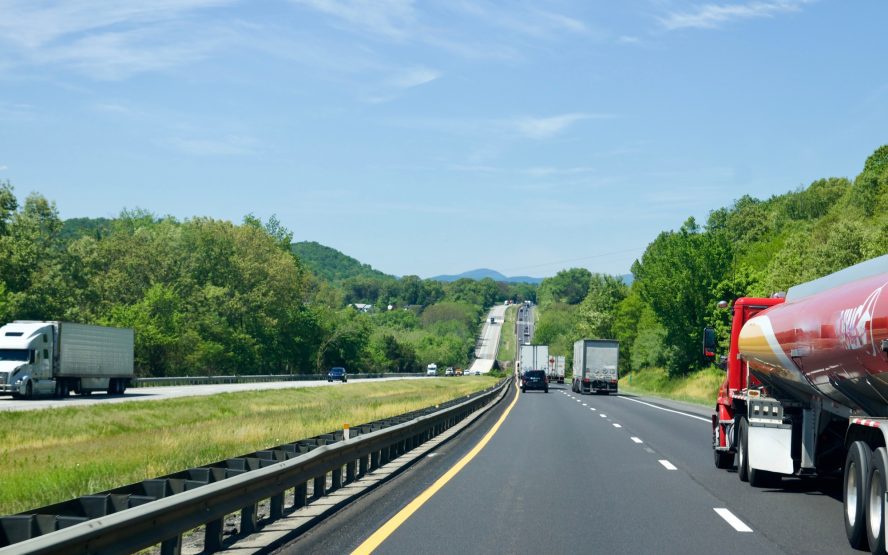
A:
(57, 454)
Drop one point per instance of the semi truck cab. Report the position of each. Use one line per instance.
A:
(26, 354)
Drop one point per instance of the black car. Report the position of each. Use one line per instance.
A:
(534, 379)
(337, 373)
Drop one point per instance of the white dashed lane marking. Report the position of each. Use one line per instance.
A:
(636, 440)
(617, 425)
(731, 519)
(668, 465)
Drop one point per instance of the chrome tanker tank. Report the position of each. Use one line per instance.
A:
(830, 338)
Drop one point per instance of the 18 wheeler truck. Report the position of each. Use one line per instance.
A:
(55, 358)
(806, 391)
(595, 366)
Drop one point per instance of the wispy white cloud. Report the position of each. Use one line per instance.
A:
(711, 16)
(389, 18)
(105, 39)
(35, 23)
(544, 128)
(414, 77)
(3, 167)
(231, 145)
(531, 22)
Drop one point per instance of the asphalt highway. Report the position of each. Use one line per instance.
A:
(567, 473)
(7, 403)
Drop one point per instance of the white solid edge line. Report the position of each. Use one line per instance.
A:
(668, 410)
(668, 465)
(735, 522)
(636, 440)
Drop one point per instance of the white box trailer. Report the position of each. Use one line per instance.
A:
(595, 366)
(534, 357)
(557, 369)
(55, 358)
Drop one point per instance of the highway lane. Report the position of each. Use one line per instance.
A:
(488, 341)
(168, 392)
(562, 477)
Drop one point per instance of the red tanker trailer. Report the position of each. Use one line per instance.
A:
(806, 391)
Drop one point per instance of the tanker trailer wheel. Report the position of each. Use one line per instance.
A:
(875, 521)
(856, 486)
(743, 452)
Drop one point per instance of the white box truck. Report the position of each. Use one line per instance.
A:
(55, 358)
(595, 366)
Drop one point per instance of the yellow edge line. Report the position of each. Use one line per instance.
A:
(396, 521)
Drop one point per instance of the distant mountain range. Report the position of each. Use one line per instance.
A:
(482, 273)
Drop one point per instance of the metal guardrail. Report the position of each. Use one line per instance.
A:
(159, 511)
(247, 378)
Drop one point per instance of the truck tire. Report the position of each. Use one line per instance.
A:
(855, 488)
(875, 518)
(743, 452)
(29, 390)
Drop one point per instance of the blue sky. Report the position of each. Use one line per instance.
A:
(403, 133)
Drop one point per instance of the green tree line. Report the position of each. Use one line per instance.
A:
(752, 248)
(207, 296)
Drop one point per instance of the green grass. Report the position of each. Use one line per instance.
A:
(508, 339)
(700, 387)
(53, 455)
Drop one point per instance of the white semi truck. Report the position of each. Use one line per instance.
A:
(55, 358)
(595, 366)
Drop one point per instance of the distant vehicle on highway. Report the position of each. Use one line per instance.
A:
(534, 379)
(459, 372)
(493, 320)
(432, 369)
(337, 373)
(449, 371)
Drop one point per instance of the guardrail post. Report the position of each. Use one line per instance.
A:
(374, 460)
(249, 518)
(213, 536)
(300, 493)
(337, 479)
(350, 471)
(172, 546)
(277, 506)
(362, 465)
(320, 486)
